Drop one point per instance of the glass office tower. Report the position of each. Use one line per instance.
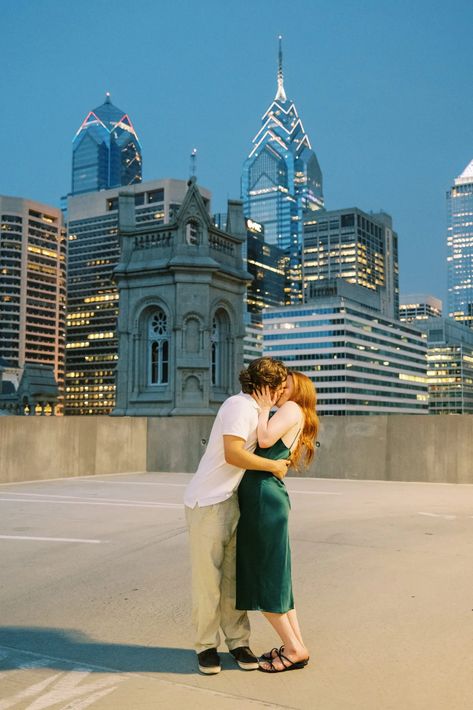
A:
(355, 246)
(281, 176)
(460, 247)
(106, 151)
(33, 253)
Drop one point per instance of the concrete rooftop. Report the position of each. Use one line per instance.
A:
(95, 598)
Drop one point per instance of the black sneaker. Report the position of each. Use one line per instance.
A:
(245, 658)
(209, 661)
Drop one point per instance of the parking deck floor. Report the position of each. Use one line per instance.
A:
(95, 598)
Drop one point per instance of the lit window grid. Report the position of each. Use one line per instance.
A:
(394, 395)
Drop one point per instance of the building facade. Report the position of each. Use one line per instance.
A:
(449, 365)
(181, 325)
(92, 312)
(281, 178)
(268, 267)
(106, 151)
(33, 254)
(360, 361)
(460, 247)
(419, 306)
(357, 247)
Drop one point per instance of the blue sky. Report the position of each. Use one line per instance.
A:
(384, 90)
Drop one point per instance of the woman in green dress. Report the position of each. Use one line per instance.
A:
(263, 551)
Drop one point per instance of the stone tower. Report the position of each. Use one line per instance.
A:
(181, 322)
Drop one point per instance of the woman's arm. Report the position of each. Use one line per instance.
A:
(270, 430)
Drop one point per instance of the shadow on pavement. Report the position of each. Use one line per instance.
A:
(54, 648)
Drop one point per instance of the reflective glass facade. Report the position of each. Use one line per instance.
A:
(449, 365)
(460, 248)
(355, 246)
(106, 151)
(359, 361)
(282, 177)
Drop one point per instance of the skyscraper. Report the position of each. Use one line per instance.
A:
(355, 246)
(106, 151)
(460, 247)
(33, 252)
(281, 176)
(361, 361)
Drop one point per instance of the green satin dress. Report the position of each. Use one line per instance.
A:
(263, 567)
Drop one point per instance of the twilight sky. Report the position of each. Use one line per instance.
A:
(383, 88)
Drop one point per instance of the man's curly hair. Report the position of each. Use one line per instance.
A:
(263, 372)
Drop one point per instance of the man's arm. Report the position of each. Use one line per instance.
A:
(237, 455)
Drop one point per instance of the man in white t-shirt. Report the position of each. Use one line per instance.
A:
(212, 514)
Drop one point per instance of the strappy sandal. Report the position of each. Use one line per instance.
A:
(293, 665)
(270, 655)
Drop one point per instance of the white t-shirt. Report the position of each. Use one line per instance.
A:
(215, 479)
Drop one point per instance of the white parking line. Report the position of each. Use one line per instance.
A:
(438, 515)
(52, 539)
(314, 493)
(86, 498)
(171, 506)
(140, 483)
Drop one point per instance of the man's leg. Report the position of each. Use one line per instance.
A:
(207, 547)
(235, 623)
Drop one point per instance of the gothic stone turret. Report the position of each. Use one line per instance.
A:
(181, 323)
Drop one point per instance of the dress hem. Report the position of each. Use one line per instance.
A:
(268, 611)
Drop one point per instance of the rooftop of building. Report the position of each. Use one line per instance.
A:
(110, 616)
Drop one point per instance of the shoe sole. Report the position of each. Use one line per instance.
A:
(253, 666)
(210, 670)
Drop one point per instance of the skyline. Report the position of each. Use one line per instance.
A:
(352, 71)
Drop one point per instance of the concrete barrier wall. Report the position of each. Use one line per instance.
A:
(389, 448)
(396, 448)
(34, 448)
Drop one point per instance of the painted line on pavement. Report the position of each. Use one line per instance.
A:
(91, 499)
(118, 677)
(314, 493)
(438, 515)
(52, 539)
(140, 483)
(150, 506)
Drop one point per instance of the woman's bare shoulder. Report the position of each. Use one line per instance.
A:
(291, 408)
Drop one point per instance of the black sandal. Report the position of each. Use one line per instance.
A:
(293, 665)
(270, 655)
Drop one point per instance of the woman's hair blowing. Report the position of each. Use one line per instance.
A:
(304, 395)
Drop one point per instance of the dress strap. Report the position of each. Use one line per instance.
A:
(297, 434)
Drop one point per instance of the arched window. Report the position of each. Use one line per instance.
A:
(220, 349)
(158, 348)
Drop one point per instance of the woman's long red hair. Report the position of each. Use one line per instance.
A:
(304, 394)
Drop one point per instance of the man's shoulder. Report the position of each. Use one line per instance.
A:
(238, 401)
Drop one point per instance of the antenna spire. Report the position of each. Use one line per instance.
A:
(193, 163)
(280, 94)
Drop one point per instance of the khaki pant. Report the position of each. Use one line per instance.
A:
(212, 533)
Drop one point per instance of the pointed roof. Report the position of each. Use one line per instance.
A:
(193, 204)
(107, 116)
(468, 171)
